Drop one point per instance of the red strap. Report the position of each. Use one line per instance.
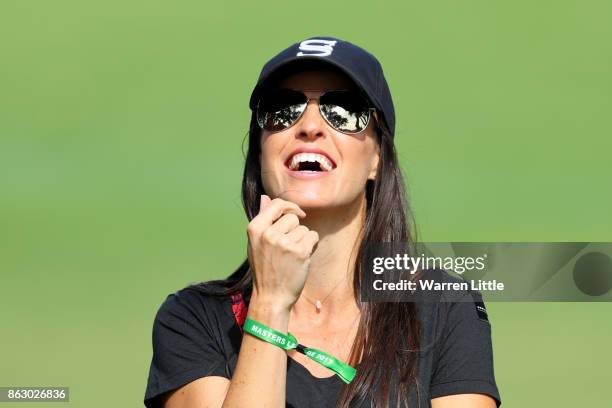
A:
(239, 309)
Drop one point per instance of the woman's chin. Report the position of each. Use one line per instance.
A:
(307, 199)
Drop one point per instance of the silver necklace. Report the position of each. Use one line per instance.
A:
(318, 303)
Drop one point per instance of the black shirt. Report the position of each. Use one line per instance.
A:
(195, 335)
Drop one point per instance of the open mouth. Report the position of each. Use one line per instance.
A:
(309, 162)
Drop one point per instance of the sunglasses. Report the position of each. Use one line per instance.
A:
(346, 111)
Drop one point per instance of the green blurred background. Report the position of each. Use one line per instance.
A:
(121, 125)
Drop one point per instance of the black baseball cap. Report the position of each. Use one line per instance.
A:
(358, 64)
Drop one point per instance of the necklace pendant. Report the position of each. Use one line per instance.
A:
(318, 305)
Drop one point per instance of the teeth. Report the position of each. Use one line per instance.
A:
(310, 157)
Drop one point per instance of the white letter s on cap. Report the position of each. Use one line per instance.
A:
(319, 48)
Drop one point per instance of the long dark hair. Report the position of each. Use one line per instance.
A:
(388, 219)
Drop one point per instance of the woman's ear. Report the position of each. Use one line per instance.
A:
(374, 163)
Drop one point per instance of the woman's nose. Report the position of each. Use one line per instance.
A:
(311, 124)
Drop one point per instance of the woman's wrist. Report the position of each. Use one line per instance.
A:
(269, 312)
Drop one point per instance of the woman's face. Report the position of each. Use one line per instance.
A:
(353, 157)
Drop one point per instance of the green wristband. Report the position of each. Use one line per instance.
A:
(343, 370)
(289, 342)
(270, 335)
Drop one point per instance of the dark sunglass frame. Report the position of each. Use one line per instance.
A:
(303, 103)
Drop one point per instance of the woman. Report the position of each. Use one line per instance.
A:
(321, 180)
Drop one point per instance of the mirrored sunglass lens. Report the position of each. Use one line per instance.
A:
(346, 111)
(278, 110)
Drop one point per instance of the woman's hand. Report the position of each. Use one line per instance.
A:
(279, 252)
